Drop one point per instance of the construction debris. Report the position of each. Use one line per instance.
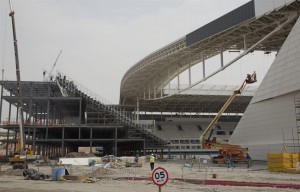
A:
(101, 171)
(32, 174)
(79, 155)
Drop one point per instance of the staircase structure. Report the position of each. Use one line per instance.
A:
(98, 111)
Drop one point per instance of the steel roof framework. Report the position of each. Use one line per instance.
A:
(147, 80)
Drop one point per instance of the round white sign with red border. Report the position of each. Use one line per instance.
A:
(160, 176)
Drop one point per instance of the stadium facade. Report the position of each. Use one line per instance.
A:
(271, 123)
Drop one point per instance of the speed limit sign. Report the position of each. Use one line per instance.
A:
(160, 176)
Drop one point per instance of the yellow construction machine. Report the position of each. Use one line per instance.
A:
(18, 161)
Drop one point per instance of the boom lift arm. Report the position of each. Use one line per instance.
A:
(204, 143)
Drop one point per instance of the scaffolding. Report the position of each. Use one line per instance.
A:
(62, 115)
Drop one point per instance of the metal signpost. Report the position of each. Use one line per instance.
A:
(160, 177)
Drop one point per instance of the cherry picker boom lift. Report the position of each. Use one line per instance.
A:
(225, 148)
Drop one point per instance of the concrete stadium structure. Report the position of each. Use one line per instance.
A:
(272, 119)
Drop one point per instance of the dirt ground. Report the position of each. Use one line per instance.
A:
(120, 178)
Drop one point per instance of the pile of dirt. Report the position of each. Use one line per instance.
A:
(12, 172)
(100, 172)
(79, 155)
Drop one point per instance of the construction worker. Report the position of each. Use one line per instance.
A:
(254, 77)
(248, 78)
(152, 161)
(251, 78)
(249, 160)
(136, 159)
(230, 163)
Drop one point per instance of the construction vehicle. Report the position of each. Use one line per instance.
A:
(237, 152)
(19, 159)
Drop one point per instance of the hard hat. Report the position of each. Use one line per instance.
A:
(152, 154)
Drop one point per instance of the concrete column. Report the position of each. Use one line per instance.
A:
(48, 106)
(203, 65)
(91, 137)
(34, 140)
(161, 89)
(7, 138)
(221, 54)
(190, 74)
(30, 105)
(144, 148)
(178, 81)
(63, 151)
(63, 142)
(47, 130)
(17, 115)
(245, 43)
(48, 113)
(41, 116)
(79, 122)
(116, 142)
(15, 144)
(169, 84)
(80, 108)
(137, 110)
(36, 112)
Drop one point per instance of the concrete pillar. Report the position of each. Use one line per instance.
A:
(190, 75)
(221, 54)
(7, 138)
(91, 137)
(203, 65)
(137, 110)
(116, 141)
(34, 140)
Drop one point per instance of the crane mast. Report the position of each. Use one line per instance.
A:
(20, 105)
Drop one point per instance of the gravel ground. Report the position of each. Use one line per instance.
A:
(114, 179)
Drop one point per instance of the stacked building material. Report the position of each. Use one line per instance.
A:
(284, 162)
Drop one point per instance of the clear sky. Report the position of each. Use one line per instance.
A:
(101, 39)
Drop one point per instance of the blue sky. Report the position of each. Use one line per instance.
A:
(101, 39)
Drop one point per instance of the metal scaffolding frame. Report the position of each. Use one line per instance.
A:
(60, 117)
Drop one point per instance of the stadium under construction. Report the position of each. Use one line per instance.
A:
(61, 115)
